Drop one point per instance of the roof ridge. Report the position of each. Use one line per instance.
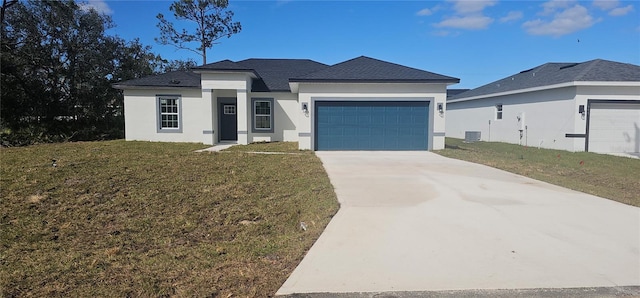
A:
(587, 69)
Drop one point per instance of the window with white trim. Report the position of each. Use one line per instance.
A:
(169, 113)
(263, 115)
(499, 111)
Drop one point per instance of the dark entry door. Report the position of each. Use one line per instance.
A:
(228, 122)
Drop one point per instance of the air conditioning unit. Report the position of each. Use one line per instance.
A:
(471, 136)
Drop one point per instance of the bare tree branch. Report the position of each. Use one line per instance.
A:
(213, 23)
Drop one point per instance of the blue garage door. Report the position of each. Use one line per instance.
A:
(371, 125)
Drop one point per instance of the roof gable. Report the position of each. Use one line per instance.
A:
(365, 69)
(557, 73)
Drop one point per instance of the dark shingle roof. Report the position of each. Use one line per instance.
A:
(365, 69)
(273, 74)
(223, 65)
(556, 73)
(180, 79)
(454, 92)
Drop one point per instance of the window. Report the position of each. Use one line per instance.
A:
(169, 114)
(499, 111)
(229, 109)
(263, 115)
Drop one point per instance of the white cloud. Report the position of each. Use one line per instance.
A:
(469, 15)
(473, 22)
(620, 11)
(567, 21)
(471, 6)
(551, 7)
(99, 6)
(429, 11)
(512, 16)
(425, 12)
(606, 4)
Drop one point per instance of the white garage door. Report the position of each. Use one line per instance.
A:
(614, 127)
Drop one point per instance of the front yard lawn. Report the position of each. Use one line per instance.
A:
(156, 219)
(612, 177)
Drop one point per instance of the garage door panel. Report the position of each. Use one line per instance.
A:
(359, 125)
(614, 127)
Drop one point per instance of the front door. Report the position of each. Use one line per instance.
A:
(228, 122)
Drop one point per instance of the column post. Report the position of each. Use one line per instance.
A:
(208, 117)
(244, 115)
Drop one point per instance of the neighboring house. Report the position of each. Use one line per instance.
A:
(359, 104)
(591, 106)
(454, 92)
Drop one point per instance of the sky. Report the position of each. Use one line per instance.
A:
(478, 41)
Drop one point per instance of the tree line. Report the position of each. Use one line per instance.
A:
(57, 67)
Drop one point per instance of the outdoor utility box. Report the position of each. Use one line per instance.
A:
(471, 136)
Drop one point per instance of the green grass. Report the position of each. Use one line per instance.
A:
(156, 219)
(612, 177)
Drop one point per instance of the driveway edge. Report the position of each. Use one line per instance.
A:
(588, 292)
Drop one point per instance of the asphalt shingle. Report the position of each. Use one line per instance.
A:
(556, 73)
(365, 69)
(272, 74)
(179, 79)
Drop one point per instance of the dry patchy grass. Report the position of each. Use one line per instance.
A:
(155, 219)
(287, 147)
(607, 176)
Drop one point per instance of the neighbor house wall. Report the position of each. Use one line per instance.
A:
(548, 116)
(312, 92)
(601, 92)
(141, 115)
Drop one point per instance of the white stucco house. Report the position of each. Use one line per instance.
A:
(591, 106)
(359, 104)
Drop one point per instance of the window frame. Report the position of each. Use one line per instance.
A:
(159, 113)
(499, 112)
(271, 116)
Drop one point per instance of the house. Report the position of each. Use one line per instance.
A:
(591, 106)
(359, 104)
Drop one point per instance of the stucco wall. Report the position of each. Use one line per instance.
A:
(285, 110)
(312, 92)
(141, 115)
(548, 116)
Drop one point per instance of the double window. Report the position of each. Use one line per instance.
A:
(499, 111)
(169, 109)
(262, 112)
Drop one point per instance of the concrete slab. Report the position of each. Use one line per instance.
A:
(218, 147)
(417, 221)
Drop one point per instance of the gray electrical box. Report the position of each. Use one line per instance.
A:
(471, 136)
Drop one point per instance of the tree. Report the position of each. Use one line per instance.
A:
(213, 22)
(57, 68)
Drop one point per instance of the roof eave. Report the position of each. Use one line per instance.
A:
(124, 87)
(547, 87)
(376, 81)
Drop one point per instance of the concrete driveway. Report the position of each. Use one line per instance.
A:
(417, 221)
